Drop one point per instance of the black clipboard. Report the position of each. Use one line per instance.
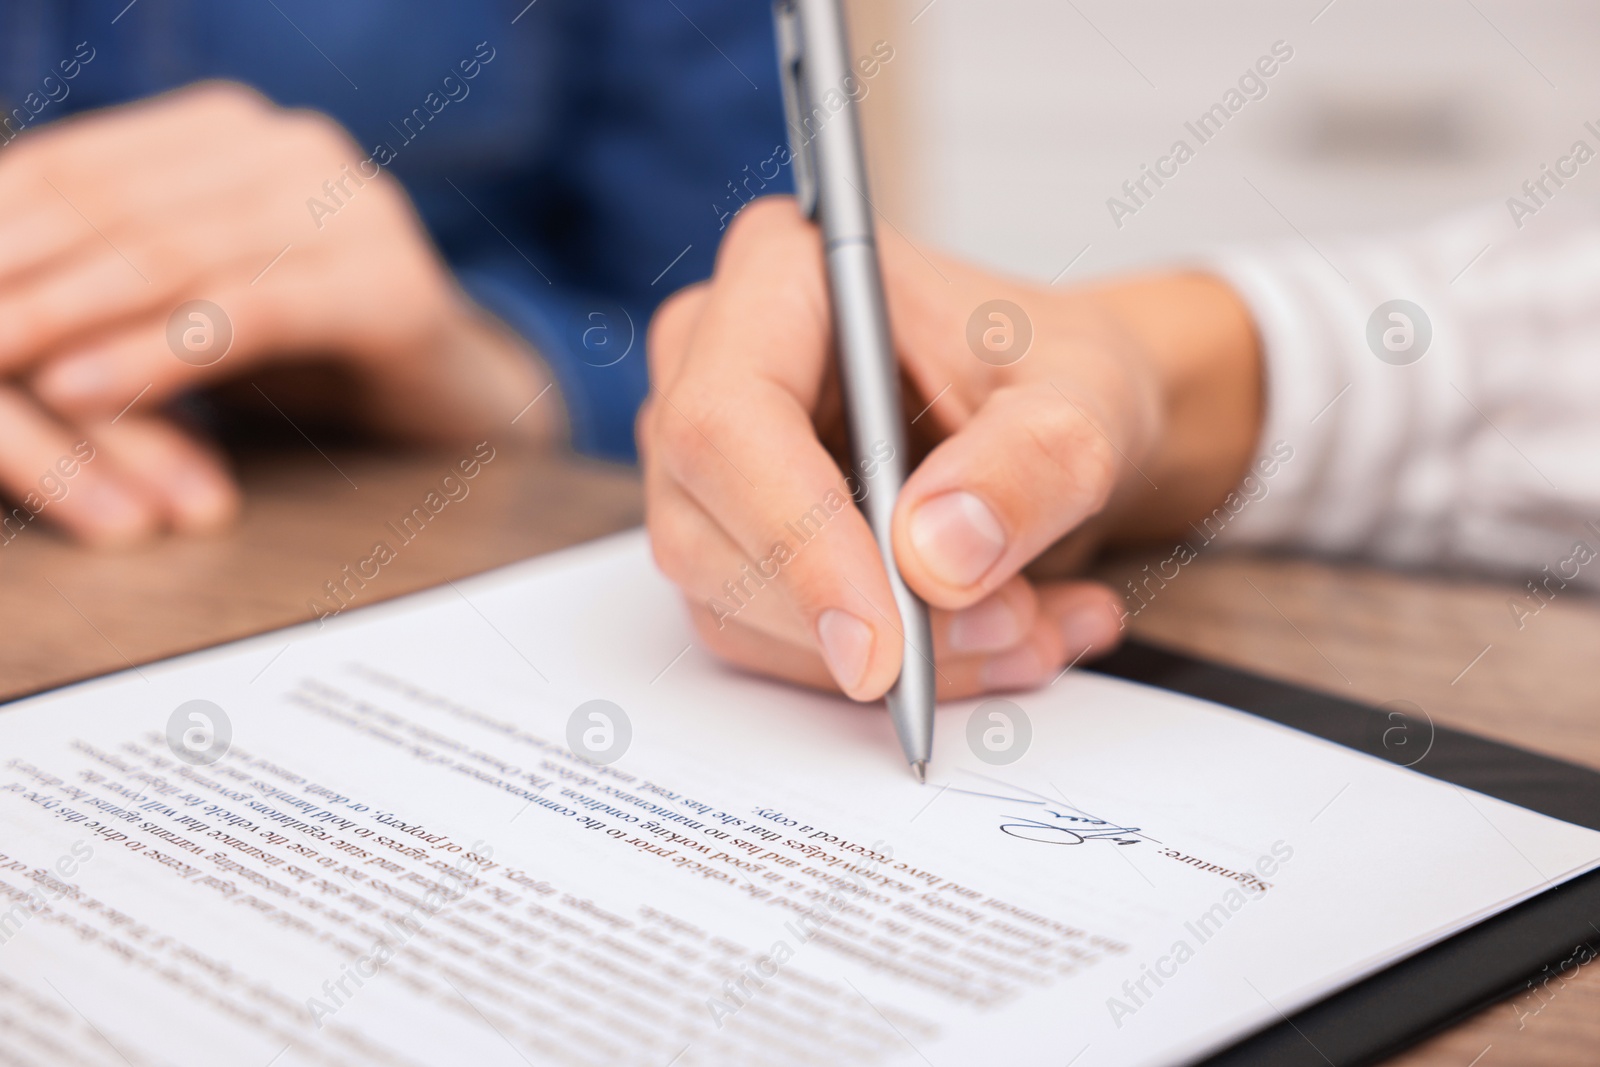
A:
(1425, 993)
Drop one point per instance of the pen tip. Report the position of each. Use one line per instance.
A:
(920, 769)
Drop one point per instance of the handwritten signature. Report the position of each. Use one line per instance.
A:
(1054, 822)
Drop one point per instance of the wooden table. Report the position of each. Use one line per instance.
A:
(1449, 646)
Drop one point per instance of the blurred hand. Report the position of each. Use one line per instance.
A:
(116, 218)
(1034, 457)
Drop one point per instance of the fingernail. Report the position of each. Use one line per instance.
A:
(1082, 631)
(80, 378)
(203, 500)
(846, 646)
(957, 537)
(115, 514)
(988, 626)
(1018, 669)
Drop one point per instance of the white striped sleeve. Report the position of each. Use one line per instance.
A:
(1484, 451)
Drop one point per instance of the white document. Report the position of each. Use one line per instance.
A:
(399, 860)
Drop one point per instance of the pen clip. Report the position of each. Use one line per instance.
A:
(791, 72)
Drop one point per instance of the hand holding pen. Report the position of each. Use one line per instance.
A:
(744, 438)
(1019, 455)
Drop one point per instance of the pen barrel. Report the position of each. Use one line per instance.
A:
(821, 89)
(825, 123)
(869, 378)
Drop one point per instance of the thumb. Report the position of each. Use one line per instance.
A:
(1033, 463)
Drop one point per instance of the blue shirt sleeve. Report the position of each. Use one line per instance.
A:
(668, 134)
(593, 345)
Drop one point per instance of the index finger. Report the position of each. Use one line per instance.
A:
(734, 428)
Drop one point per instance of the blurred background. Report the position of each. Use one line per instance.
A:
(1001, 127)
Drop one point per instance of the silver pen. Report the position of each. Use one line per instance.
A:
(831, 185)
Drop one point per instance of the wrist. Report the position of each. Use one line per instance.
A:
(1201, 342)
(466, 375)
